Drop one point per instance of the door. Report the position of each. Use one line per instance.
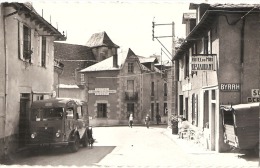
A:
(187, 108)
(24, 119)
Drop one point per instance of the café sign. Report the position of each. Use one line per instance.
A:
(202, 63)
(101, 91)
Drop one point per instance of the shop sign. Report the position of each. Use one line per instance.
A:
(102, 91)
(255, 93)
(202, 63)
(253, 99)
(230, 87)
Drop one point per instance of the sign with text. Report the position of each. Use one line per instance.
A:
(230, 87)
(255, 92)
(102, 91)
(253, 99)
(202, 63)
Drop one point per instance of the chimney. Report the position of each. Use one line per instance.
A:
(115, 58)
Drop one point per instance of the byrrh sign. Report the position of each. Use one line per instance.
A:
(202, 63)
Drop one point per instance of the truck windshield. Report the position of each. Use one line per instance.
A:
(44, 114)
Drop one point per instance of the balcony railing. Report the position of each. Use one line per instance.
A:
(131, 95)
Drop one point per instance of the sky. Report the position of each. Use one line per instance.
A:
(127, 23)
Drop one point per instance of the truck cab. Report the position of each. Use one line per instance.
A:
(59, 122)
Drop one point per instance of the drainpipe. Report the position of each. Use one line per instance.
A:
(242, 35)
(6, 87)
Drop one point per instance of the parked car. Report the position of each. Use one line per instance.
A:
(59, 122)
(241, 126)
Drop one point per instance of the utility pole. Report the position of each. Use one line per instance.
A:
(172, 77)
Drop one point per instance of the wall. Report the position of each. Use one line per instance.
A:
(2, 80)
(23, 77)
(103, 79)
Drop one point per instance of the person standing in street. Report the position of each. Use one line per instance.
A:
(147, 120)
(131, 120)
(158, 118)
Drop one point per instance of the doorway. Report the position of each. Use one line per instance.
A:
(24, 119)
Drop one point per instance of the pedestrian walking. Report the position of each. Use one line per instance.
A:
(131, 120)
(90, 136)
(147, 120)
(158, 118)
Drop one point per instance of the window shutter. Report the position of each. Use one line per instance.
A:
(39, 47)
(33, 55)
(21, 39)
(47, 52)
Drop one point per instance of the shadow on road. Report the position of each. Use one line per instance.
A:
(60, 156)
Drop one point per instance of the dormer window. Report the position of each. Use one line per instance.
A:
(130, 67)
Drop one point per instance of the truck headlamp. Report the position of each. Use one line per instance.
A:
(58, 133)
(33, 135)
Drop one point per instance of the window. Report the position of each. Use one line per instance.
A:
(194, 49)
(27, 43)
(152, 89)
(43, 63)
(70, 113)
(186, 71)
(130, 67)
(82, 79)
(79, 112)
(206, 44)
(101, 110)
(165, 89)
(213, 95)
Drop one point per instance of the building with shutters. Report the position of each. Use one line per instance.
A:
(26, 69)
(218, 64)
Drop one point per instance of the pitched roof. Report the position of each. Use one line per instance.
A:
(104, 65)
(130, 52)
(65, 51)
(107, 64)
(149, 59)
(29, 11)
(100, 39)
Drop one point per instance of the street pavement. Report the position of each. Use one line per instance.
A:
(137, 147)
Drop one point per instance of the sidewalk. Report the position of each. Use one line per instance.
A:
(201, 157)
(187, 145)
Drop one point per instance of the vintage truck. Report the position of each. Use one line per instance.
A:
(241, 126)
(58, 122)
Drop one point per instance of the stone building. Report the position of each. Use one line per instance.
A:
(26, 69)
(71, 83)
(124, 84)
(218, 64)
